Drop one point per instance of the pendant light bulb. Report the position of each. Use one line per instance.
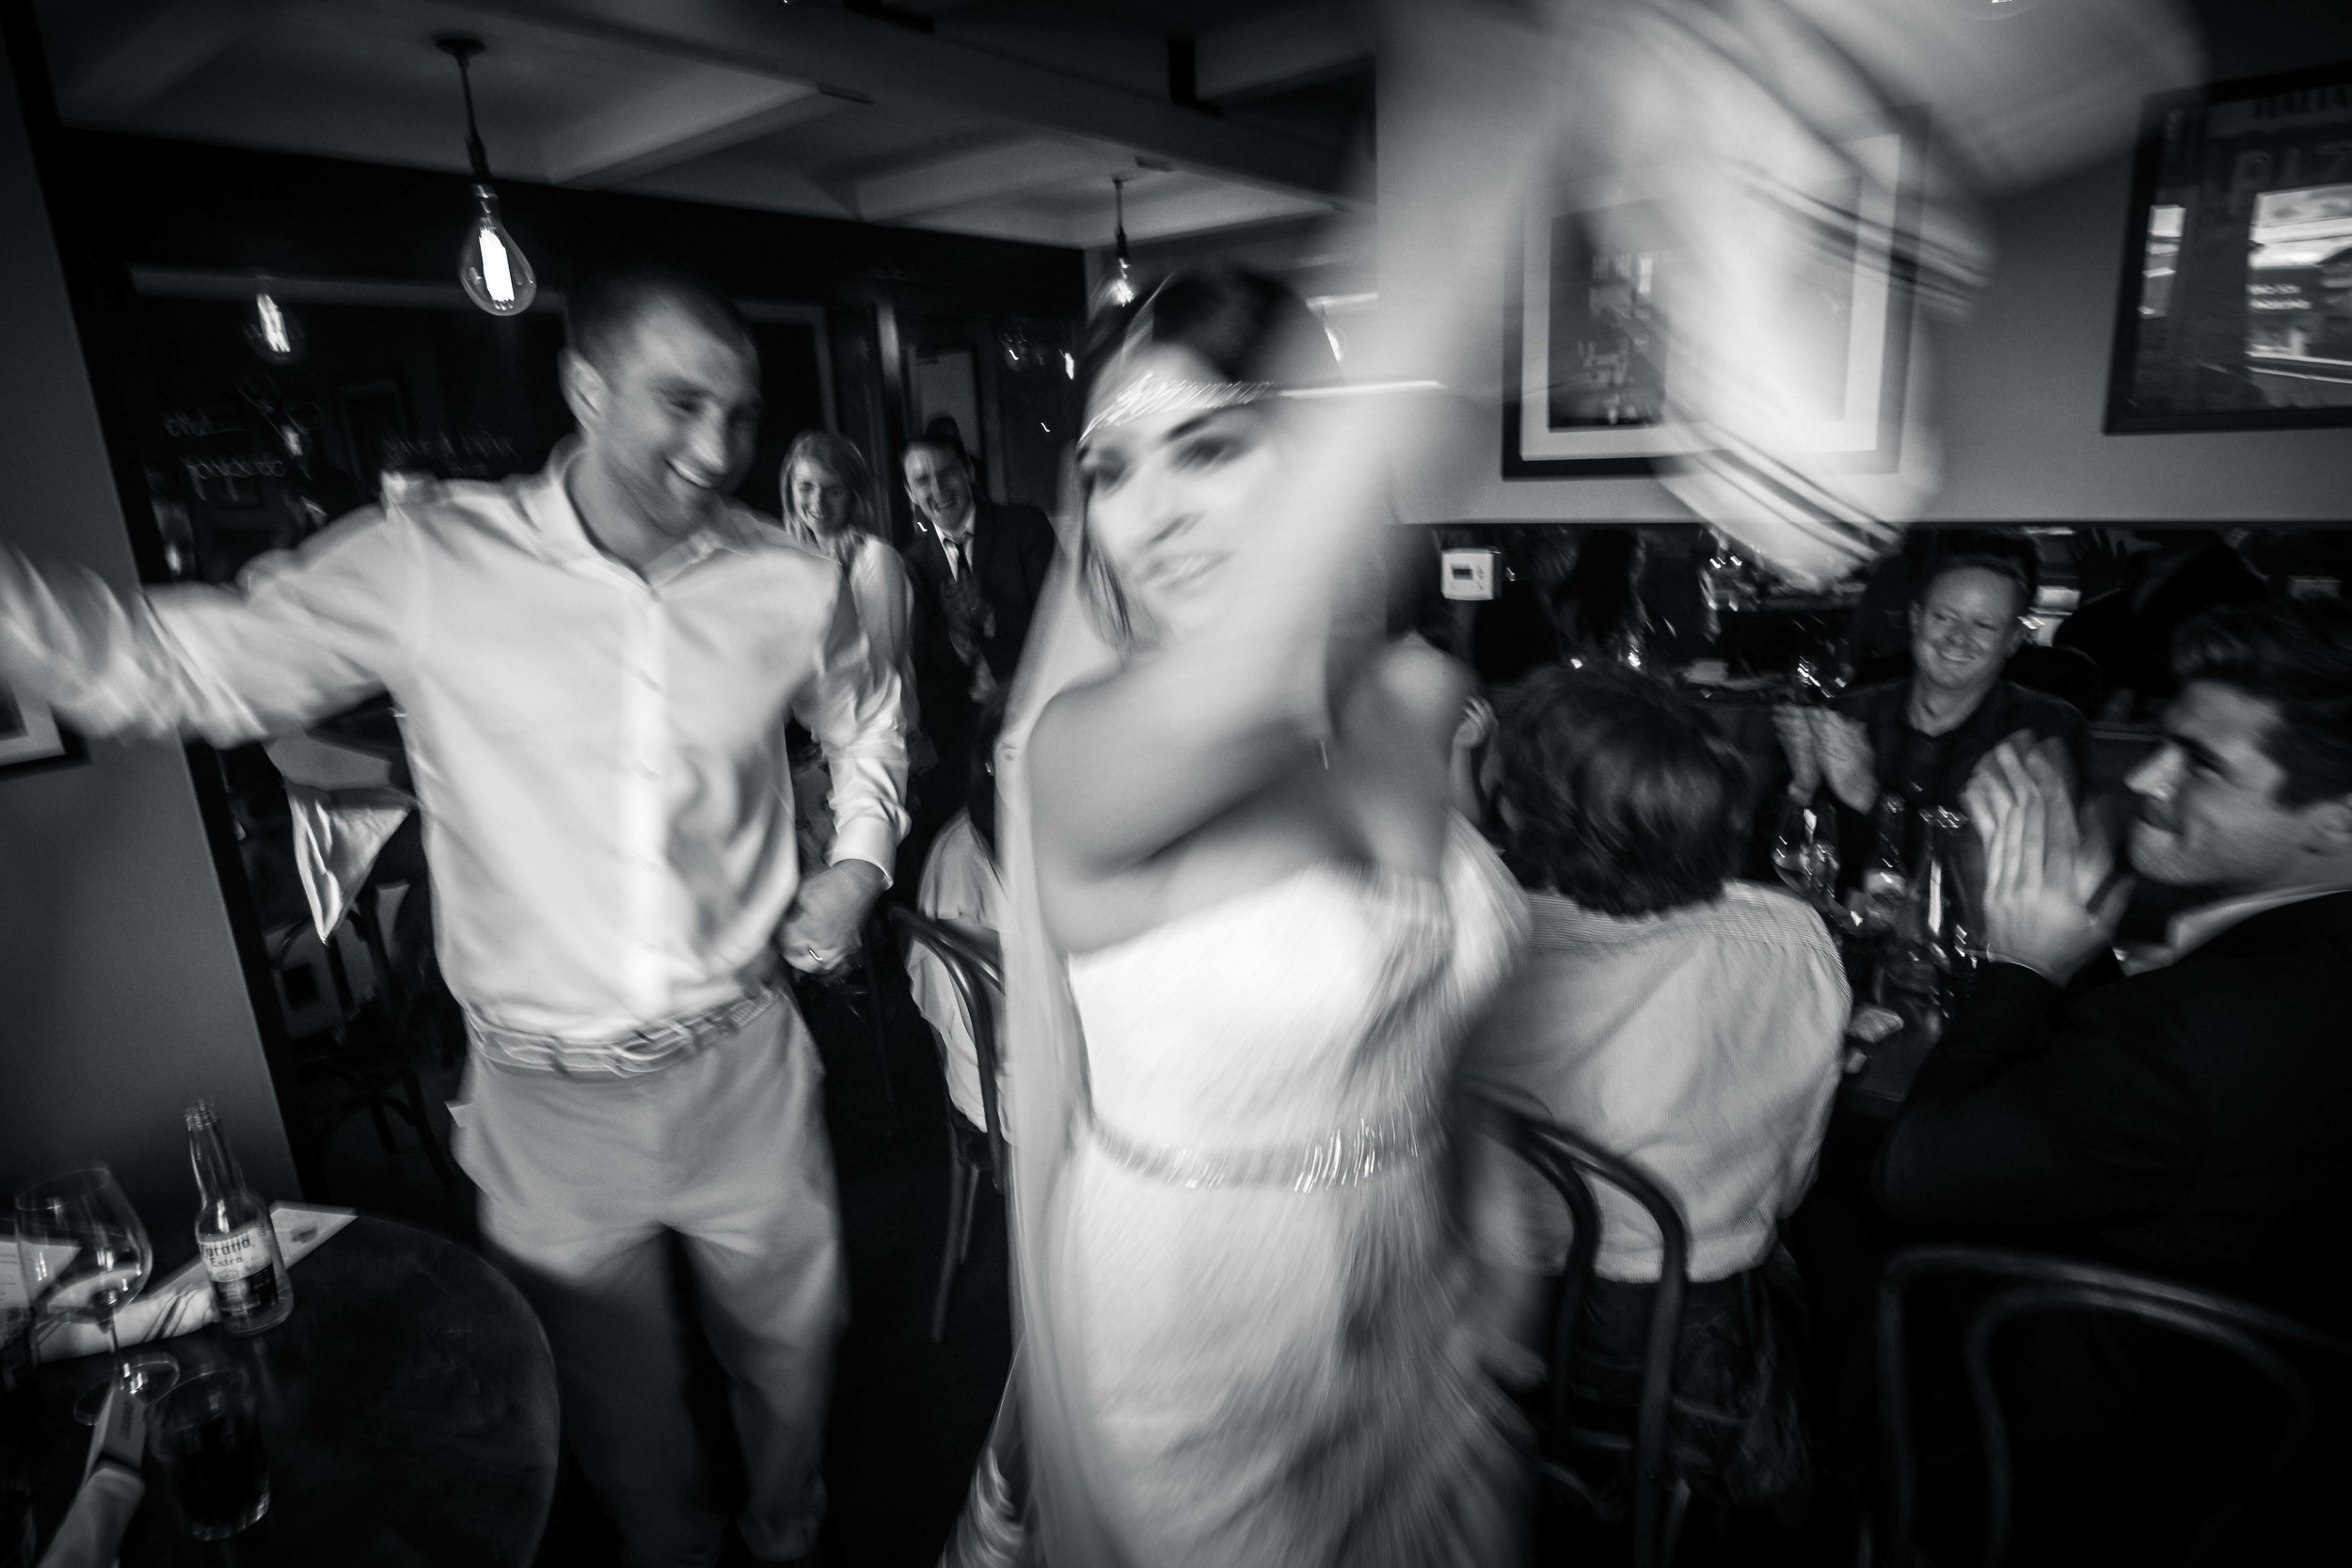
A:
(1122, 287)
(491, 266)
(496, 275)
(270, 331)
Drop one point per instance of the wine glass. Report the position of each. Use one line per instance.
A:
(1805, 852)
(1818, 678)
(85, 1255)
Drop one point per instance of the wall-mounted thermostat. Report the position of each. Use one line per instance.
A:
(1471, 574)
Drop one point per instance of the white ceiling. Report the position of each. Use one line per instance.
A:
(1004, 117)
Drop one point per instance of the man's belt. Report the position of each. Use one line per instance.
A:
(639, 1051)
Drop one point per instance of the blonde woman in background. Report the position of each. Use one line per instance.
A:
(824, 483)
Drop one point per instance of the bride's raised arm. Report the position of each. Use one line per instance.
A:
(1240, 689)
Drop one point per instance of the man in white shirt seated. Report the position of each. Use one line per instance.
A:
(962, 888)
(1679, 1019)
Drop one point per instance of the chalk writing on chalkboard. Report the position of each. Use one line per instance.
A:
(202, 469)
(463, 454)
(194, 422)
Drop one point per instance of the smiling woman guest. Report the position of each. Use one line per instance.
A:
(1920, 738)
(825, 483)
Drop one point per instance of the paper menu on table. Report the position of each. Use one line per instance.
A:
(175, 1305)
(12, 1293)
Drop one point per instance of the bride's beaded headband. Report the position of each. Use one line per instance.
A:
(1152, 393)
(1149, 394)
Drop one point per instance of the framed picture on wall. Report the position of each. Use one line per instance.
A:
(30, 736)
(2235, 306)
(1590, 358)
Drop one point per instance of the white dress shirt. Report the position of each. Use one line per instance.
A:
(601, 757)
(956, 543)
(1703, 1044)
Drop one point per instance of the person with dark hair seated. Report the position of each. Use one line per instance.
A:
(1683, 1020)
(2195, 1119)
(1919, 739)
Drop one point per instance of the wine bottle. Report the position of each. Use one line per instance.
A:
(232, 1228)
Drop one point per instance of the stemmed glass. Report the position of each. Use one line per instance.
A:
(85, 1255)
(1817, 678)
(1805, 852)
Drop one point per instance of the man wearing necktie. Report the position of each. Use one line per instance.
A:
(977, 567)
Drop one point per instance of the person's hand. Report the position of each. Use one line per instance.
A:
(969, 620)
(821, 929)
(1843, 751)
(2048, 901)
(1796, 739)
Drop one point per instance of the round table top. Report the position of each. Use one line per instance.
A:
(408, 1411)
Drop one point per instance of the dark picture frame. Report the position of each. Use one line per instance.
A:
(1587, 354)
(30, 736)
(2234, 308)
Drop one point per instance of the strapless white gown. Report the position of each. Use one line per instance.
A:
(1281, 1331)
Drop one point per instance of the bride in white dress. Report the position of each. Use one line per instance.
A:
(1247, 938)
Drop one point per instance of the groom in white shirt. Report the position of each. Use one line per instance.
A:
(594, 667)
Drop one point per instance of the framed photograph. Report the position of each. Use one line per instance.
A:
(2235, 306)
(1590, 355)
(30, 736)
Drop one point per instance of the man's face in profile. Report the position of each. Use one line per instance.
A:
(2209, 812)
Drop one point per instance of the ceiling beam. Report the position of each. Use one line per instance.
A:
(859, 57)
(983, 174)
(1313, 42)
(739, 179)
(165, 45)
(697, 111)
(1194, 208)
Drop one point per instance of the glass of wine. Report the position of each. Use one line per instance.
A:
(85, 1255)
(207, 1435)
(1805, 852)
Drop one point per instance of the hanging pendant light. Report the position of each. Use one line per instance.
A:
(270, 328)
(491, 267)
(1123, 288)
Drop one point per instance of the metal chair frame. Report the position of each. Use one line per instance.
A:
(333, 1059)
(976, 977)
(365, 916)
(2038, 1284)
(1570, 1163)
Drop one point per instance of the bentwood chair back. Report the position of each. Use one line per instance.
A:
(2013, 1285)
(978, 981)
(1570, 1165)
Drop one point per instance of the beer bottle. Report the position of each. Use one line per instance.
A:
(232, 1227)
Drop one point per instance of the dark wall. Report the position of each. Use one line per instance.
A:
(120, 995)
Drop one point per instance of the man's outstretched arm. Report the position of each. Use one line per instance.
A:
(303, 634)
